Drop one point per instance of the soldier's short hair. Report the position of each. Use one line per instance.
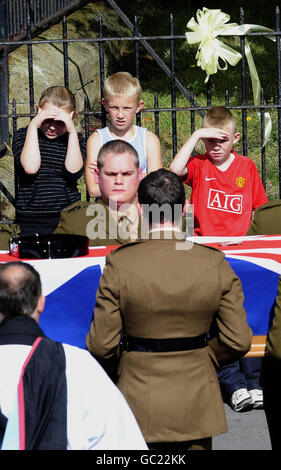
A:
(117, 147)
(164, 189)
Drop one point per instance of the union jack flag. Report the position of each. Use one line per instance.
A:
(257, 262)
(70, 286)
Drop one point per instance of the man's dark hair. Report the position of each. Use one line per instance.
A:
(162, 188)
(116, 146)
(20, 289)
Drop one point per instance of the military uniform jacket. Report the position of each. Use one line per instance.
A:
(6, 233)
(152, 289)
(267, 219)
(92, 220)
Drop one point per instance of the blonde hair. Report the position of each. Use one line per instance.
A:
(58, 96)
(122, 83)
(219, 116)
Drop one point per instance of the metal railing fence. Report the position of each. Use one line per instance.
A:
(175, 85)
(19, 15)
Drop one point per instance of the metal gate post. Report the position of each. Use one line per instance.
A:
(4, 79)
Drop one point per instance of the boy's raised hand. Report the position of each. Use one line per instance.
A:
(179, 163)
(56, 114)
(40, 117)
(212, 133)
(65, 117)
(93, 166)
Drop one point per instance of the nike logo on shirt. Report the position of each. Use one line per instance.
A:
(209, 179)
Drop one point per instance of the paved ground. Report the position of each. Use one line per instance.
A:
(246, 431)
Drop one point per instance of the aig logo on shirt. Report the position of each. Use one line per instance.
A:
(221, 201)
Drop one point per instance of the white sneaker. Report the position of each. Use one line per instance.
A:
(241, 400)
(257, 398)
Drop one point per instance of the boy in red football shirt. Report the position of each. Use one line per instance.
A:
(226, 187)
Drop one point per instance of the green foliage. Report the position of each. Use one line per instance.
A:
(155, 17)
(184, 130)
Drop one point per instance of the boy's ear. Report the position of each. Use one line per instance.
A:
(236, 137)
(140, 106)
(103, 102)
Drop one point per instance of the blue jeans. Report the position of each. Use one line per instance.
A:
(244, 373)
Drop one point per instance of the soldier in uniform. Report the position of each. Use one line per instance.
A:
(6, 233)
(267, 219)
(113, 219)
(161, 295)
(271, 373)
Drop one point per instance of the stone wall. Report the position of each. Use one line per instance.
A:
(48, 70)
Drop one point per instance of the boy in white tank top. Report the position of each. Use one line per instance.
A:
(122, 101)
